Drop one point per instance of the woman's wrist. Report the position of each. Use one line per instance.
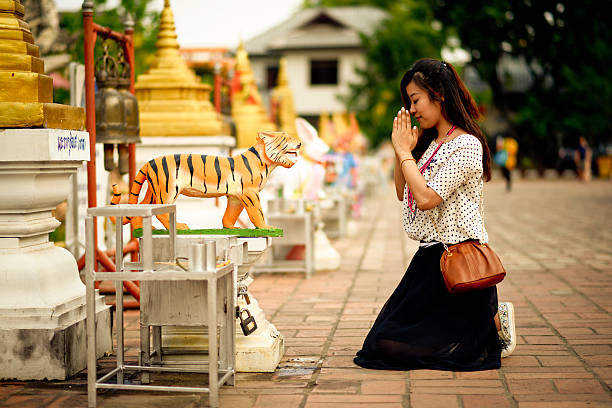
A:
(407, 158)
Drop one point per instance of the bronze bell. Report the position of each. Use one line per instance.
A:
(110, 115)
(130, 109)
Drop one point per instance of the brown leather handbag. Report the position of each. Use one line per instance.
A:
(470, 265)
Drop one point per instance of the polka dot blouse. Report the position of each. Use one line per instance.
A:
(455, 174)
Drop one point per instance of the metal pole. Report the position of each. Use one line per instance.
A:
(128, 47)
(129, 53)
(213, 347)
(90, 107)
(90, 255)
(217, 94)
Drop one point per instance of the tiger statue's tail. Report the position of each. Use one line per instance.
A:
(139, 180)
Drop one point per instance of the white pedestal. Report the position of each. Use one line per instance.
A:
(42, 299)
(326, 257)
(262, 350)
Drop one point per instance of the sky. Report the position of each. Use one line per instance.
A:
(215, 23)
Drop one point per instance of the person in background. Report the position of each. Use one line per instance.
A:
(506, 149)
(582, 158)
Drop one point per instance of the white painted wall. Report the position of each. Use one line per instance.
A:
(313, 99)
(259, 67)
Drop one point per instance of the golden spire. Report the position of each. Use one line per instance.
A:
(326, 133)
(26, 93)
(283, 98)
(167, 53)
(171, 97)
(242, 58)
(248, 111)
(244, 73)
(340, 125)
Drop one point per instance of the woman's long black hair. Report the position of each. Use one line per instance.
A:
(443, 85)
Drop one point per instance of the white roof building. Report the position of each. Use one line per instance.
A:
(322, 47)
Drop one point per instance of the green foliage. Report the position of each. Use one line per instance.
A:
(566, 48)
(404, 37)
(564, 44)
(206, 74)
(145, 29)
(61, 95)
(59, 234)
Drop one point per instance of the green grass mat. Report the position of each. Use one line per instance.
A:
(241, 232)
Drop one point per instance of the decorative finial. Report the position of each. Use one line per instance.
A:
(128, 22)
(88, 6)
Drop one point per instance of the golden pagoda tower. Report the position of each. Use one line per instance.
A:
(172, 100)
(283, 98)
(26, 93)
(341, 127)
(326, 132)
(358, 143)
(248, 111)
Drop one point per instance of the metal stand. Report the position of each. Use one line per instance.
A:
(259, 351)
(335, 218)
(179, 343)
(298, 229)
(218, 310)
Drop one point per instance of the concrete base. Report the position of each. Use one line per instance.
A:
(52, 354)
(42, 312)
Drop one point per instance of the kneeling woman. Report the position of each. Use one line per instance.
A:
(439, 174)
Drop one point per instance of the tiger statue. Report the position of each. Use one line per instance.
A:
(240, 178)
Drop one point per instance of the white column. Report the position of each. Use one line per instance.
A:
(42, 299)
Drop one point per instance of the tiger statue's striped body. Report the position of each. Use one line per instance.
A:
(240, 178)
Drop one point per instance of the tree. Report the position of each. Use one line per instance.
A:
(409, 33)
(565, 47)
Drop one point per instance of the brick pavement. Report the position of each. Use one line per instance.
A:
(554, 238)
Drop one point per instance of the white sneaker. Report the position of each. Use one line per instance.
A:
(507, 334)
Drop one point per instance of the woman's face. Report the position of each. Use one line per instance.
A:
(427, 112)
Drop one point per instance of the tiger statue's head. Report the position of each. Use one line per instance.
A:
(280, 147)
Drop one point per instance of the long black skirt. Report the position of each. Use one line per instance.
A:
(422, 326)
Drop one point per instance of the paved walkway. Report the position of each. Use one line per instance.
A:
(554, 237)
